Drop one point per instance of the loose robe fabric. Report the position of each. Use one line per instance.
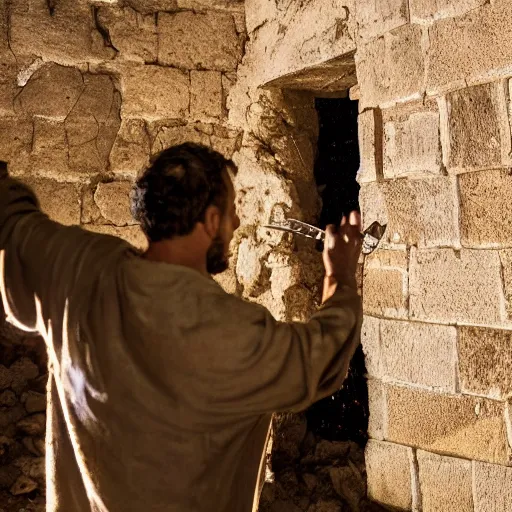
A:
(161, 384)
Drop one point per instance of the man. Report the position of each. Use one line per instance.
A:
(161, 384)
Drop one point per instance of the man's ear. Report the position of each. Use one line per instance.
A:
(212, 218)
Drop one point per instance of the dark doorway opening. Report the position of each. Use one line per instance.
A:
(344, 415)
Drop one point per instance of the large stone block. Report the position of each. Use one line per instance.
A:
(166, 135)
(372, 202)
(391, 68)
(131, 234)
(259, 12)
(226, 5)
(492, 486)
(464, 426)
(391, 474)
(113, 201)
(205, 95)
(155, 92)
(133, 35)
(420, 354)
(385, 286)
(370, 340)
(506, 269)
(445, 483)
(455, 286)
(485, 199)
(427, 10)
(199, 41)
(477, 127)
(370, 145)
(62, 32)
(52, 91)
(152, 6)
(485, 359)
(60, 201)
(15, 137)
(92, 125)
(377, 409)
(130, 153)
(375, 18)
(422, 212)
(8, 81)
(412, 146)
(472, 47)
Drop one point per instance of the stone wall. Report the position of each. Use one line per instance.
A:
(435, 131)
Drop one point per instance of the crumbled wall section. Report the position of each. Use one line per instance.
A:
(89, 91)
(436, 114)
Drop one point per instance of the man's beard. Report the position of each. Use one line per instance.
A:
(216, 259)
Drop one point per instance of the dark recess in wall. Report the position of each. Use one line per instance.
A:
(344, 415)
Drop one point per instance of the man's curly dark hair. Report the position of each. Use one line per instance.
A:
(172, 195)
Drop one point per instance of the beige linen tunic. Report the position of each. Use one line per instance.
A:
(161, 384)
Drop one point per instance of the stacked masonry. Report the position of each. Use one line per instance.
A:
(435, 133)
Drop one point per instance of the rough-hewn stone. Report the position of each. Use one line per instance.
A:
(227, 5)
(485, 359)
(372, 202)
(370, 340)
(131, 149)
(113, 200)
(198, 41)
(370, 136)
(15, 137)
(165, 135)
(60, 201)
(52, 91)
(421, 212)
(390, 469)
(455, 286)
(377, 18)
(412, 147)
(132, 234)
(391, 68)
(485, 199)
(205, 94)
(65, 33)
(152, 6)
(464, 426)
(506, 269)
(470, 47)
(385, 284)
(445, 483)
(420, 354)
(259, 12)
(155, 92)
(377, 409)
(133, 34)
(422, 10)
(8, 86)
(475, 115)
(492, 486)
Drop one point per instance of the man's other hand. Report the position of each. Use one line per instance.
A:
(342, 249)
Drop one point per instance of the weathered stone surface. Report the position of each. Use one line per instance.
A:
(23, 485)
(132, 234)
(417, 353)
(377, 408)
(65, 33)
(131, 149)
(166, 135)
(60, 201)
(155, 92)
(15, 138)
(8, 86)
(492, 486)
(349, 484)
(198, 41)
(250, 265)
(474, 118)
(227, 5)
(412, 147)
(385, 284)
(33, 425)
(5, 377)
(133, 34)
(370, 145)
(485, 359)
(35, 402)
(370, 339)
(463, 426)
(113, 200)
(372, 202)
(52, 91)
(377, 18)
(390, 469)
(25, 368)
(450, 286)
(423, 10)
(259, 12)
(506, 269)
(445, 483)
(421, 212)
(152, 6)
(391, 68)
(485, 199)
(470, 47)
(205, 94)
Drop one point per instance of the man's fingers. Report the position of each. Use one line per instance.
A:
(355, 219)
(343, 220)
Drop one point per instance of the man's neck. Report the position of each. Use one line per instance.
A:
(177, 252)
